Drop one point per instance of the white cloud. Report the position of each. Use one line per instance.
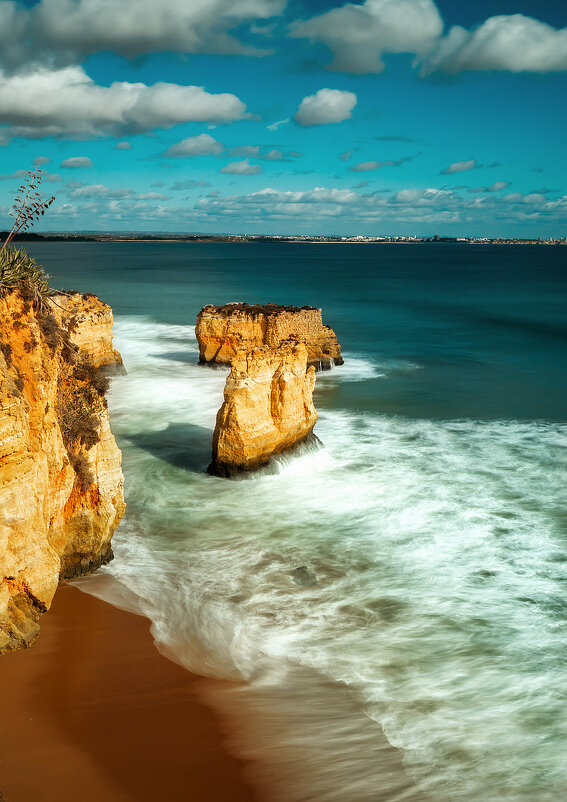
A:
(515, 43)
(75, 162)
(251, 151)
(364, 167)
(273, 155)
(99, 191)
(325, 106)
(123, 146)
(460, 167)
(94, 192)
(275, 126)
(50, 177)
(39, 160)
(496, 187)
(201, 145)
(256, 152)
(330, 209)
(359, 35)
(241, 168)
(344, 157)
(184, 185)
(152, 196)
(68, 103)
(62, 32)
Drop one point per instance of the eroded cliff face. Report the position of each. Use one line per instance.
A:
(89, 323)
(268, 407)
(222, 331)
(61, 485)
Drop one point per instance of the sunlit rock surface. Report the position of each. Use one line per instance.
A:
(61, 485)
(268, 407)
(224, 330)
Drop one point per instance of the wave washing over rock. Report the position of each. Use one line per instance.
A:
(61, 484)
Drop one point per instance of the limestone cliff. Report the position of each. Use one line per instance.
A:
(61, 486)
(89, 324)
(268, 407)
(223, 330)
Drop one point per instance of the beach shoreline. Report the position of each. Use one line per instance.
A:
(95, 710)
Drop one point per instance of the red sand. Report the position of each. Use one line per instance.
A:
(92, 712)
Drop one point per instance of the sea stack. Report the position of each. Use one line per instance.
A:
(268, 407)
(224, 330)
(61, 485)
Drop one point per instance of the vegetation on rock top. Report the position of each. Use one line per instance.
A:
(18, 270)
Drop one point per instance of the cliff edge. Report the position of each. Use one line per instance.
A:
(268, 407)
(224, 330)
(61, 485)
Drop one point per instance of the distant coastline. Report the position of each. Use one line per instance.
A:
(127, 236)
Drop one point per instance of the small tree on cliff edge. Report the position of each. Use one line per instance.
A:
(28, 206)
(17, 268)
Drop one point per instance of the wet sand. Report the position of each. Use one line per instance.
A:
(93, 712)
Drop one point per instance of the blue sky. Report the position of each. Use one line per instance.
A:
(306, 116)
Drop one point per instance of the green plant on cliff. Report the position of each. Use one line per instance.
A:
(18, 270)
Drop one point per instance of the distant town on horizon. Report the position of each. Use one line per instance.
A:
(167, 236)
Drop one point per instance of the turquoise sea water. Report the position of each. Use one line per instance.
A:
(408, 578)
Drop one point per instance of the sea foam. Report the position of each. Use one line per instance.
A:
(422, 563)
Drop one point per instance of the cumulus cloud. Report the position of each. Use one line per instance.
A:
(345, 156)
(515, 43)
(68, 103)
(325, 106)
(39, 160)
(460, 167)
(201, 145)
(123, 146)
(359, 35)
(58, 33)
(75, 162)
(241, 168)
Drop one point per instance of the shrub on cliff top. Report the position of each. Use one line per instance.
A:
(19, 271)
(17, 268)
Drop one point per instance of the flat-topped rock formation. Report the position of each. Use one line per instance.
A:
(268, 407)
(224, 330)
(61, 485)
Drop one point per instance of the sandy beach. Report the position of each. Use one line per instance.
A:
(93, 712)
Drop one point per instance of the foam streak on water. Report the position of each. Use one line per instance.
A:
(421, 563)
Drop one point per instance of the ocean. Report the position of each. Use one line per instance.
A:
(390, 608)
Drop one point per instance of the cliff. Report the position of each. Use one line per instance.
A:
(61, 486)
(222, 331)
(88, 322)
(268, 407)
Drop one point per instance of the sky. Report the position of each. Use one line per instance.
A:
(383, 117)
